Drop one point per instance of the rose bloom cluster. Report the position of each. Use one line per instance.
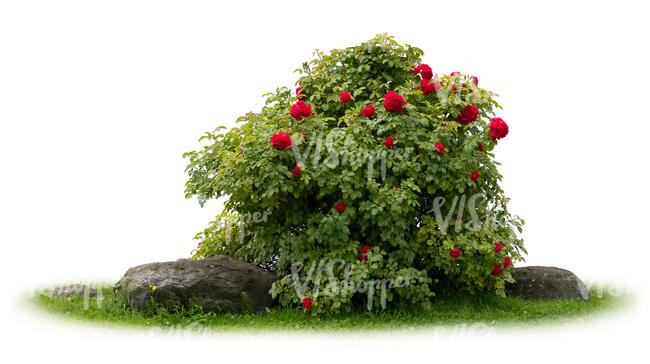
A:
(394, 102)
(300, 110)
(424, 70)
(468, 114)
(368, 111)
(281, 141)
(426, 86)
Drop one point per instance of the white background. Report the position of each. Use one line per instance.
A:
(98, 101)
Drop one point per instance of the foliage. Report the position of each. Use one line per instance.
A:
(410, 203)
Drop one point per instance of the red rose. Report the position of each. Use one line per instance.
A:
(475, 80)
(428, 87)
(393, 101)
(300, 110)
(394, 187)
(454, 73)
(480, 147)
(281, 141)
(424, 87)
(498, 128)
(468, 114)
(368, 111)
(426, 73)
(340, 207)
(474, 175)
(440, 148)
(364, 249)
(389, 142)
(296, 171)
(497, 270)
(424, 70)
(345, 97)
(506, 262)
(454, 253)
(473, 263)
(307, 303)
(435, 87)
(498, 247)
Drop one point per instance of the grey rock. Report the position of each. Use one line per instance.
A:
(217, 284)
(546, 283)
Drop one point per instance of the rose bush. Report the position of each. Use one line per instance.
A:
(373, 163)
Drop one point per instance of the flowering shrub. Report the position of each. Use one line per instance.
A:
(375, 164)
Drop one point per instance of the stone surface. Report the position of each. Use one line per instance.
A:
(546, 283)
(216, 284)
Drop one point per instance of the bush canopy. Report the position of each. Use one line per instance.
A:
(374, 183)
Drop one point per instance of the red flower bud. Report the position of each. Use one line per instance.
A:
(389, 142)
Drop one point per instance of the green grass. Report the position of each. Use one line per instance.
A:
(479, 310)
